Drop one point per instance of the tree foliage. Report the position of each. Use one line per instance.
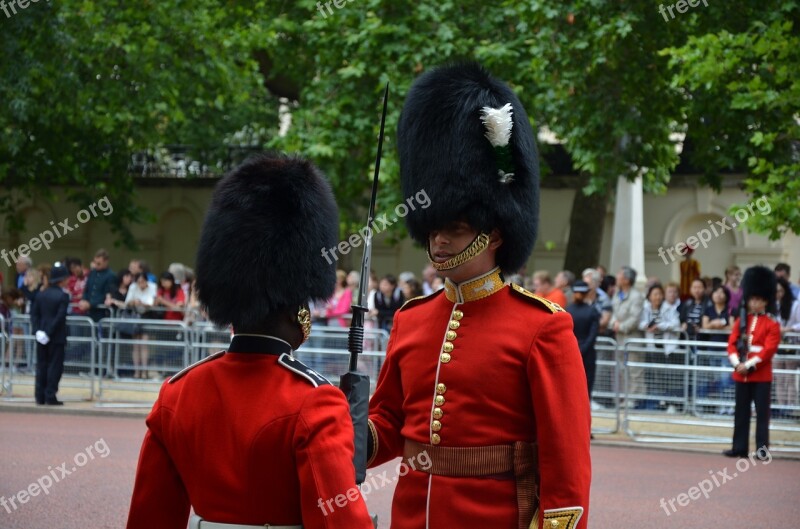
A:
(87, 83)
(742, 94)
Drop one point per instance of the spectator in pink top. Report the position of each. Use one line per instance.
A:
(341, 301)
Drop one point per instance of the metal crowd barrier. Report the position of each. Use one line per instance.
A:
(326, 352)
(664, 395)
(154, 349)
(605, 394)
(79, 356)
(207, 339)
(685, 396)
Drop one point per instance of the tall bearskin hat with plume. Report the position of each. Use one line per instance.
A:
(464, 137)
(760, 281)
(260, 246)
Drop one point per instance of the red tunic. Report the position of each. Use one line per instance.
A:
(244, 439)
(765, 339)
(513, 373)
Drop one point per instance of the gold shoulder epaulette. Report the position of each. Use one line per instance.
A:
(420, 299)
(186, 369)
(538, 300)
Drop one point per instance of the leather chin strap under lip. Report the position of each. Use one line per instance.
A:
(475, 248)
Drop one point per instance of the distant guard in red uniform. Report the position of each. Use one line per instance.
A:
(483, 377)
(251, 437)
(753, 374)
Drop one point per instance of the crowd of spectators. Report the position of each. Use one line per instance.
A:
(384, 297)
(705, 311)
(98, 292)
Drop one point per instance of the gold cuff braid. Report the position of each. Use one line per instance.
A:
(374, 435)
(476, 247)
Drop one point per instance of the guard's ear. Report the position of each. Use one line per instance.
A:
(495, 239)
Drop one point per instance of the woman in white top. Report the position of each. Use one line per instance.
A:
(661, 320)
(141, 296)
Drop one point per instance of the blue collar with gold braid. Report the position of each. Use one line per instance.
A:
(474, 289)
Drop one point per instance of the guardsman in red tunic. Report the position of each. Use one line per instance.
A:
(753, 374)
(482, 379)
(250, 437)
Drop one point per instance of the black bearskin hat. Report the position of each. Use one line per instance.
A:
(444, 150)
(261, 246)
(760, 281)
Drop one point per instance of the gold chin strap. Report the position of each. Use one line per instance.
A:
(304, 319)
(476, 247)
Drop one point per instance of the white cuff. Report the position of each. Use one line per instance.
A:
(752, 362)
(734, 359)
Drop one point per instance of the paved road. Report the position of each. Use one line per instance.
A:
(628, 484)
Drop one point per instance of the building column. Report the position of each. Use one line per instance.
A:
(627, 243)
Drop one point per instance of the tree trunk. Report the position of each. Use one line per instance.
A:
(585, 230)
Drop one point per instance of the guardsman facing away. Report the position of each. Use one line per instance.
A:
(250, 437)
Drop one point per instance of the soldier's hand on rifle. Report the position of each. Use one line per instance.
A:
(741, 369)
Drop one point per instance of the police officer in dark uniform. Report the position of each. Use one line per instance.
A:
(49, 321)
(251, 437)
(586, 323)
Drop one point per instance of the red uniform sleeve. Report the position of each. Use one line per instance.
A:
(386, 415)
(771, 341)
(159, 496)
(563, 421)
(733, 338)
(323, 443)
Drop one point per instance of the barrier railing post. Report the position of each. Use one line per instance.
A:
(4, 358)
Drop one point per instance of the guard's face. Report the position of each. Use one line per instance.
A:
(450, 240)
(756, 304)
(453, 239)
